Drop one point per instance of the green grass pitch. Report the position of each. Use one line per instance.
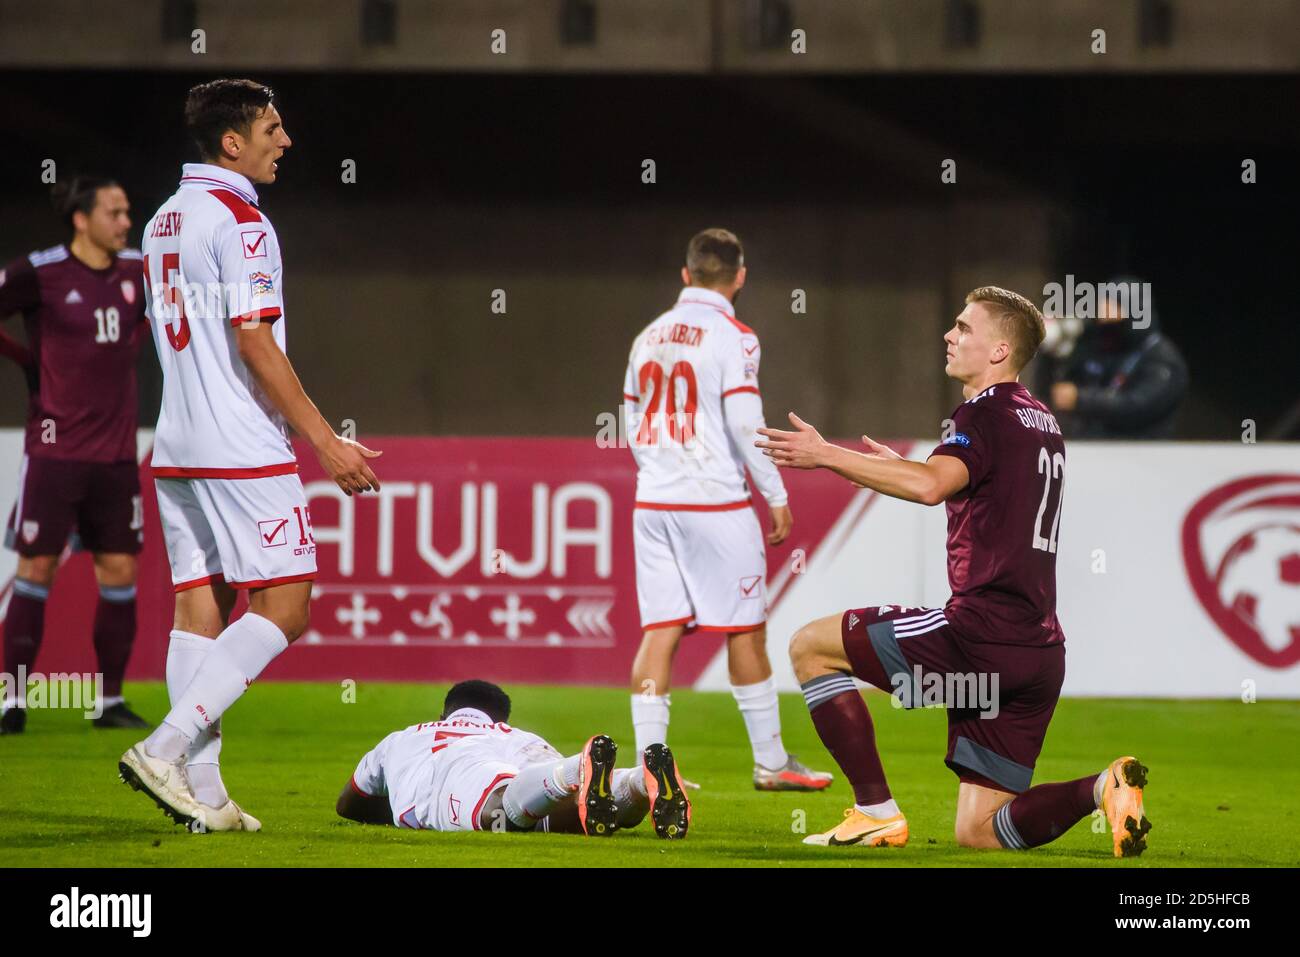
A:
(1221, 790)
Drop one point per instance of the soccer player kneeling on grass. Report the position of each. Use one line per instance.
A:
(470, 771)
(1000, 471)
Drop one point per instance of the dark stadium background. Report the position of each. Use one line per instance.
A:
(531, 183)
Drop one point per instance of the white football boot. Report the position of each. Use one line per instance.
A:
(165, 782)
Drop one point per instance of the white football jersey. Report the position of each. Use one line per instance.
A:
(681, 369)
(212, 262)
(412, 767)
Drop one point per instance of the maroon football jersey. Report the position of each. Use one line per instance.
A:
(83, 331)
(1003, 527)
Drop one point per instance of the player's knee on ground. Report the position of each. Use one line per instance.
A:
(38, 569)
(970, 831)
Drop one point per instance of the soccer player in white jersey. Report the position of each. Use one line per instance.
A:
(233, 510)
(470, 771)
(691, 398)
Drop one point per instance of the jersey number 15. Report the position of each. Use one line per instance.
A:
(179, 336)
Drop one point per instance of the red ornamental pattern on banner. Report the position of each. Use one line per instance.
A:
(500, 558)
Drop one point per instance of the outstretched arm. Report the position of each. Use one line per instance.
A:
(880, 469)
(364, 808)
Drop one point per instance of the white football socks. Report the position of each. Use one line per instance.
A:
(1097, 787)
(761, 710)
(539, 789)
(236, 658)
(628, 790)
(185, 652)
(650, 720)
(879, 811)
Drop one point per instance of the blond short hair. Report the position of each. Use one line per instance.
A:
(1019, 318)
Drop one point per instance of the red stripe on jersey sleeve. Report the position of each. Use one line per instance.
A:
(270, 315)
(243, 212)
(741, 388)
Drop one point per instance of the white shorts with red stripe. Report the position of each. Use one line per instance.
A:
(459, 793)
(253, 532)
(703, 569)
(467, 772)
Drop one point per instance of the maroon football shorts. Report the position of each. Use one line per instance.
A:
(999, 698)
(100, 501)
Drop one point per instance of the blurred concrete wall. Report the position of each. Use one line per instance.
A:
(390, 320)
(689, 36)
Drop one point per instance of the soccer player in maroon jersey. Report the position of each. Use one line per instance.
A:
(83, 308)
(994, 656)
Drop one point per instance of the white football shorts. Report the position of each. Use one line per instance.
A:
(253, 532)
(705, 570)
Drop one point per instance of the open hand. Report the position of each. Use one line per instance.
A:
(803, 448)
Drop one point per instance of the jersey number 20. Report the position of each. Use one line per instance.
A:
(680, 429)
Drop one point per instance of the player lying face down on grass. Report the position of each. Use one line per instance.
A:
(995, 653)
(470, 771)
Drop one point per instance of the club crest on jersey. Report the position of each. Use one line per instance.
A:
(128, 292)
(254, 243)
(30, 531)
(72, 297)
(261, 283)
(958, 438)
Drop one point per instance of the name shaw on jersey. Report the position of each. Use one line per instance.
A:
(168, 224)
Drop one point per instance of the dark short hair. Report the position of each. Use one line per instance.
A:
(78, 195)
(713, 257)
(483, 695)
(212, 109)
